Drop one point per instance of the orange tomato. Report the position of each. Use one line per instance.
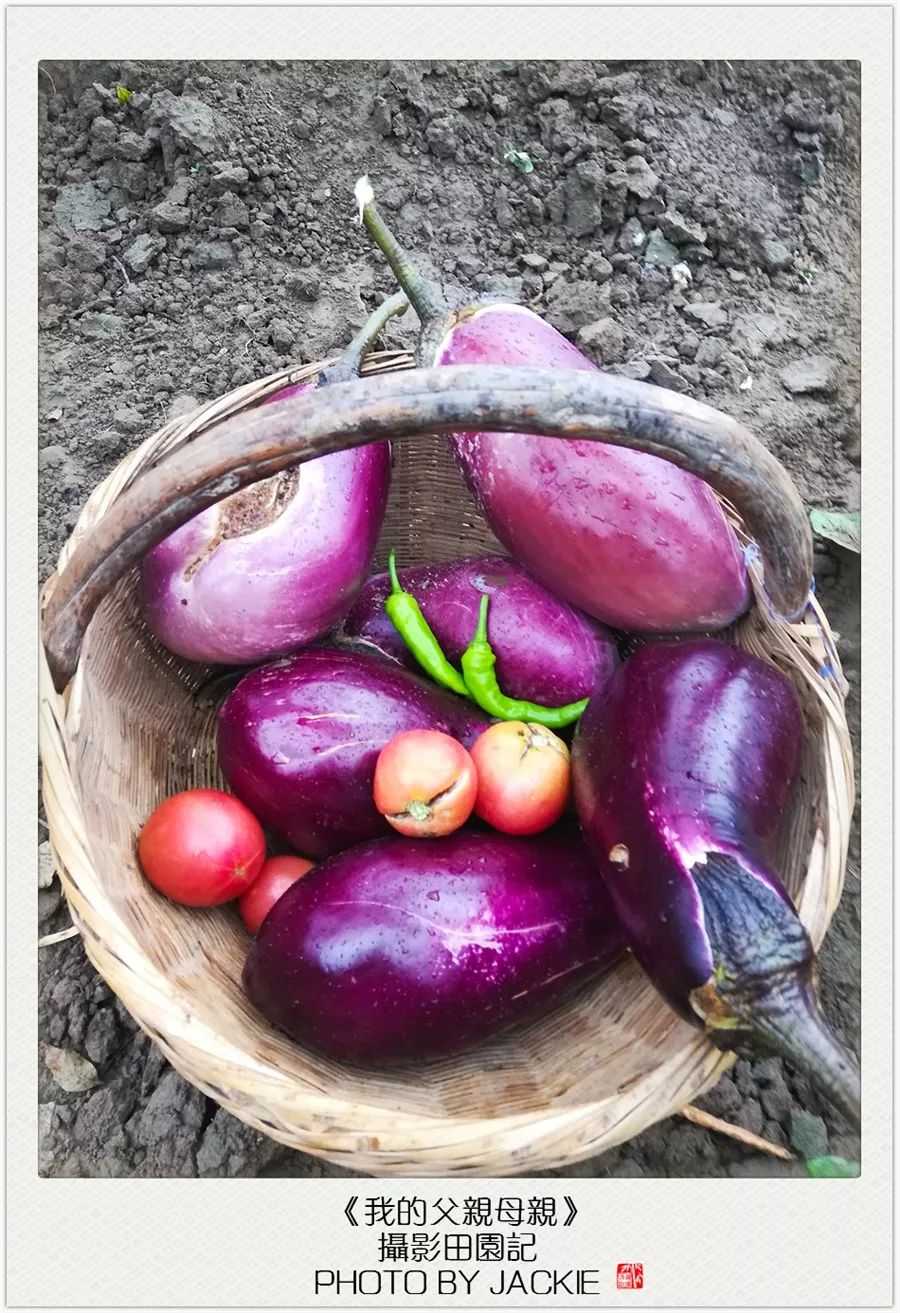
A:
(523, 777)
(425, 783)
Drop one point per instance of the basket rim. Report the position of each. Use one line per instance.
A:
(375, 1139)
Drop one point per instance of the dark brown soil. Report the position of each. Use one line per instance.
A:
(203, 234)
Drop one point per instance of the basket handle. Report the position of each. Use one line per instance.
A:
(257, 443)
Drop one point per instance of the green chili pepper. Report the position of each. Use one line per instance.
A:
(414, 629)
(478, 663)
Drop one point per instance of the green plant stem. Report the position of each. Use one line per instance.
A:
(424, 295)
(348, 364)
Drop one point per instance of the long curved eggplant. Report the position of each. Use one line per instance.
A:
(623, 535)
(683, 767)
(274, 566)
(410, 949)
(547, 652)
(298, 741)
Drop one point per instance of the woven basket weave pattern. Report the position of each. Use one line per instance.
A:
(603, 1066)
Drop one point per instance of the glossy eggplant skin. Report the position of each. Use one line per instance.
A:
(273, 567)
(412, 949)
(692, 748)
(298, 740)
(625, 536)
(547, 652)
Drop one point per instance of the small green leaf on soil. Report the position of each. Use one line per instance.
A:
(829, 1166)
(841, 527)
(518, 159)
(123, 95)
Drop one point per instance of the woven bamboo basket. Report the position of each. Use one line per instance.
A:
(128, 729)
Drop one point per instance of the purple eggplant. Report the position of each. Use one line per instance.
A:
(409, 949)
(547, 652)
(274, 566)
(624, 535)
(683, 768)
(298, 740)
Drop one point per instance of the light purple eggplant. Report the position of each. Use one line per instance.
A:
(547, 652)
(683, 769)
(412, 949)
(274, 566)
(298, 741)
(624, 535)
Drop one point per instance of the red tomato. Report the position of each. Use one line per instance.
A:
(202, 848)
(523, 777)
(425, 783)
(275, 878)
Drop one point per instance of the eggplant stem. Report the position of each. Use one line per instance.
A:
(801, 1036)
(424, 295)
(761, 994)
(348, 364)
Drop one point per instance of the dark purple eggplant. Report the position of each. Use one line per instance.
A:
(547, 652)
(410, 949)
(683, 768)
(298, 740)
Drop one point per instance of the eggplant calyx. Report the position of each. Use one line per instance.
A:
(761, 994)
(438, 328)
(787, 1023)
(712, 1008)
